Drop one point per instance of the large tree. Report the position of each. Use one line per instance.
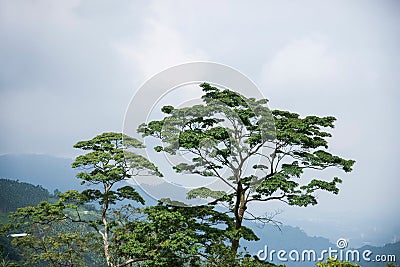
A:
(228, 132)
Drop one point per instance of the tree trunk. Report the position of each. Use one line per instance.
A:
(240, 208)
(106, 249)
(105, 234)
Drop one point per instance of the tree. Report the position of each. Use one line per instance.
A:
(228, 131)
(105, 167)
(107, 164)
(49, 238)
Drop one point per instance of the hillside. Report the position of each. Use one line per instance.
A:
(15, 194)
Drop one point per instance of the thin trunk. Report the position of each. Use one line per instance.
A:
(240, 208)
(105, 233)
(106, 247)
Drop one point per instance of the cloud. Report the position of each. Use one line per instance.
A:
(158, 46)
(306, 62)
(69, 68)
(33, 14)
(57, 73)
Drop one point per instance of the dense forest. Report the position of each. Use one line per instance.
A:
(15, 194)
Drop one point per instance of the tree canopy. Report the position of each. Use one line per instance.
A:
(229, 131)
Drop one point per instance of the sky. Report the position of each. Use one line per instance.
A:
(68, 70)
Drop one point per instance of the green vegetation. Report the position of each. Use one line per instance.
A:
(28, 195)
(108, 163)
(3, 218)
(298, 144)
(120, 231)
(336, 263)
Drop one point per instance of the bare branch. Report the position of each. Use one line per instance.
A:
(267, 218)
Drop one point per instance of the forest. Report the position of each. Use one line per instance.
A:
(15, 194)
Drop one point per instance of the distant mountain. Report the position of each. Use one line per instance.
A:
(290, 238)
(284, 238)
(387, 251)
(48, 171)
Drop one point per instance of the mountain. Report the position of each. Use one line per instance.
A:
(290, 238)
(14, 194)
(286, 238)
(387, 251)
(48, 171)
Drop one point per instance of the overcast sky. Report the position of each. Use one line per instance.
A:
(69, 68)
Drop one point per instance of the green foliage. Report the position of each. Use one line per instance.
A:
(224, 134)
(5, 262)
(336, 263)
(66, 232)
(222, 256)
(108, 162)
(173, 236)
(228, 131)
(109, 159)
(50, 237)
(15, 194)
(179, 236)
(204, 192)
(251, 262)
(8, 252)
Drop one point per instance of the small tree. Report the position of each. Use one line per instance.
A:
(105, 167)
(229, 131)
(107, 164)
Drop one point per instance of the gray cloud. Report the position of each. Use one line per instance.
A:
(68, 70)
